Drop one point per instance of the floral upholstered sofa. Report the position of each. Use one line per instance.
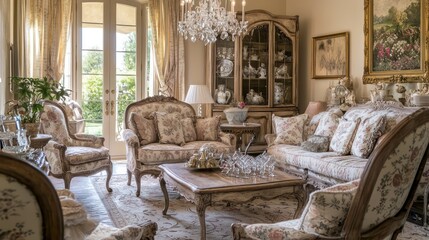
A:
(342, 142)
(162, 130)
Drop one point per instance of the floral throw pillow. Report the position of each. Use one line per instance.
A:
(327, 125)
(316, 143)
(289, 129)
(327, 209)
(344, 135)
(207, 128)
(169, 129)
(367, 134)
(145, 128)
(188, 129)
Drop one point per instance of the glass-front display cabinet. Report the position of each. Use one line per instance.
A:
(260, 68)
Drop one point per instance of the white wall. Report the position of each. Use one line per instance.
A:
(318, 18)
(4, 50)
(195, 52)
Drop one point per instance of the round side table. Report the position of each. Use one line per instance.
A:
(239, 129)
(40, 140)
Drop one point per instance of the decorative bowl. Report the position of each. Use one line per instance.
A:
(236, 115)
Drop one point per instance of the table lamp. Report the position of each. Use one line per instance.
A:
(315, 107)
(198, 94)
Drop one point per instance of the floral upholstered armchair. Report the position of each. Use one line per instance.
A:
(71, 155)
(161, 130)
(31, 208)
(374, 207)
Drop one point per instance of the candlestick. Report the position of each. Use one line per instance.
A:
(232, 5)
(243, 3)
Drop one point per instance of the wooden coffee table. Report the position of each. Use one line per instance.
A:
(205, 187)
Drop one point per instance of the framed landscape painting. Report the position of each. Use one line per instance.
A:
(331, 56)
(395, 46)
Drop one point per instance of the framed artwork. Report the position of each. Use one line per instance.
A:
(396, 49)
(331, 56)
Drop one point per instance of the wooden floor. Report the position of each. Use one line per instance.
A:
(86, 194)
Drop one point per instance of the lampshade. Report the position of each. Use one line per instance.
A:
(198, 94)
(315, 107)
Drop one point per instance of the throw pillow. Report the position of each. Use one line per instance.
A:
(343, 137)
(169, 129)
(316, 143)
(188, 129)
(207, 128)
(146, 131)
(367, 134)
(327, 125)
(289, 129)
(327, 209)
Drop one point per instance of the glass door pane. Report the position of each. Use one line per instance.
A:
(92, 66)
(126, 62)
(224, 75)
(283, 65)
(255, 63)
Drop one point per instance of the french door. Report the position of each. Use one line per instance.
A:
(109, 65)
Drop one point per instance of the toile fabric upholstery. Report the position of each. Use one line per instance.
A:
(145, 158)
(375, 206)
(323, 169)
(20, 213)
(71, 155)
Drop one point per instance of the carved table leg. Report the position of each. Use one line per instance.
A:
(201, 202)
(301, 197)
(165, 193)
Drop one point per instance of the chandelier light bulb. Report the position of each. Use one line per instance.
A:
(209, 20)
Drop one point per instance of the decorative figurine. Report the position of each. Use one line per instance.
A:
(262, 71)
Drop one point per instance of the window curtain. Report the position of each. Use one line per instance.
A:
(41, 46)
(168, 48)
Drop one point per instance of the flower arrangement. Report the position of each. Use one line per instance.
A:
(241, 104)
(238, 104)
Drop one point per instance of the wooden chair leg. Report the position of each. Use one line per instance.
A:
(138, 177)
(129, 177)
(109, 175)
(238, 231)
(67, 179)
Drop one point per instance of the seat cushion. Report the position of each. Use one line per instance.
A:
(80, 155)
(157, 153)
(329, 164)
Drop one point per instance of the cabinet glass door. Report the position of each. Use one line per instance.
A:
(224, 74)
(282, 68)
(255, 57)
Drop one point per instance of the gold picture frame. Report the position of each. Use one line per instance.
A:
(396, 44)
(331, 56)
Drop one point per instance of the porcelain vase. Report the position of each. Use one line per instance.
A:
(236, 115)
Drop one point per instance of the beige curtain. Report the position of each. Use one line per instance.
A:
(168, 48)
(47, 25)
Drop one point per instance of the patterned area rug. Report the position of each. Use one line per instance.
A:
(181, 221)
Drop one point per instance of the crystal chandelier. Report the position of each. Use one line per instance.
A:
(210, 19)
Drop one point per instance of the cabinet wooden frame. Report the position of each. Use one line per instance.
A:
(289, 27)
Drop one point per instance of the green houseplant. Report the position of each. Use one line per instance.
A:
(29, 93)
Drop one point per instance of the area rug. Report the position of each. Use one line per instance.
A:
(181, 221)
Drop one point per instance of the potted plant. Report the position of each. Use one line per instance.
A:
(29, 93)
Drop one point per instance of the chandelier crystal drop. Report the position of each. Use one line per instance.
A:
(210, 19)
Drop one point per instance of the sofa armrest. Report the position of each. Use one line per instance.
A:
(130, 138)
(269, 138)
(228, 138)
